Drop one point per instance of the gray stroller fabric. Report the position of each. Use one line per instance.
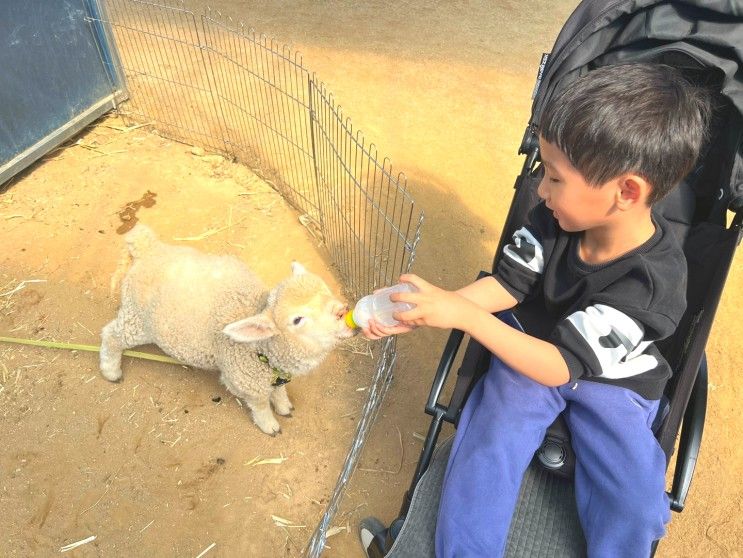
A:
(552, 531)
(415, 539)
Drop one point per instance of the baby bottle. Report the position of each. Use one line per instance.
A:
(380, 307)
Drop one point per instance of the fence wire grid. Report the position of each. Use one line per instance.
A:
(205, 80)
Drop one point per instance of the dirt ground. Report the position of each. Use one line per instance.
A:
(160, 463)
(444, 90)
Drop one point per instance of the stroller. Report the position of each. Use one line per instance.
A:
(704, 39)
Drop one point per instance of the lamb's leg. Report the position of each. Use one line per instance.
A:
(257, 400)
(117, 336)
(262, 415)
(280, 401)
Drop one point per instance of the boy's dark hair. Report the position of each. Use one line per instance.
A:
(641, 118)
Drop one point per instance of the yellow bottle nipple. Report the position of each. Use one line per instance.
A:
(348, 318)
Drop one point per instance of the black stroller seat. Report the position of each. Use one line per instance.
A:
(704, 39)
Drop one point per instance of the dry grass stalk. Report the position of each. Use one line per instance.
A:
(281, 522)
(334, 531)
(71, 546)
(312, 227)
(127, 129)
(358, 346)
(90, 348)
(85, 328)
(97, 501)
(166, 414)
(269, 461)
(100, 152)
(207, 233)
(22, 285)
(173, 443)
(207, 549)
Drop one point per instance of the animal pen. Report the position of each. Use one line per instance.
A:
(201, 79)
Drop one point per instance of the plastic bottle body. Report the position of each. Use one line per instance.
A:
(380, 307)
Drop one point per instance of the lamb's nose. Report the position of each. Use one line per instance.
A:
(341, 311)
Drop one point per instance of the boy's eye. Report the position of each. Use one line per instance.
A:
(554, 180)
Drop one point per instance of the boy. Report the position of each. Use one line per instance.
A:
(597, 277)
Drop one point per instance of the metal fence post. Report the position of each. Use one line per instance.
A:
(311, 114)
(221, 120)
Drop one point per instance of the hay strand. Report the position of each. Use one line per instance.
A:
(269, 461)
(208, 232)
(281, 522)
(71, 546)
(22, 285)
(89, 348)
(207, 549)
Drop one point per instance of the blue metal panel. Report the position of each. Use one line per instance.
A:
(52, 78)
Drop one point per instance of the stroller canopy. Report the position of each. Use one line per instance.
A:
(706, 34)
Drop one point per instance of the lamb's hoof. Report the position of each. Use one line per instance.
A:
(270, 427)
(112, 375)
(284, 411)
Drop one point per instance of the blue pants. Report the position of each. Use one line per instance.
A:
(619, 476)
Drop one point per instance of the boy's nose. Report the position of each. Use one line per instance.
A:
(542, 190)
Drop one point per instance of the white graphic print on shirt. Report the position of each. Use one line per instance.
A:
(526, 250)
(615, 339)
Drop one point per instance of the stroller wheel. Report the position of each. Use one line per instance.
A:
(373, 536)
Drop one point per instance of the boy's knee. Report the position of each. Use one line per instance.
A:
(641, 507)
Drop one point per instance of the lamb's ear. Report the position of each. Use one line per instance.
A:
(298, 268)
(251, 329)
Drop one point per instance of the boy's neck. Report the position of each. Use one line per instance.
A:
(614, 239)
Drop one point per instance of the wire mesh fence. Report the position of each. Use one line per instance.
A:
(205, 80)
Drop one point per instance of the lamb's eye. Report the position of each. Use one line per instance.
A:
(297, 320)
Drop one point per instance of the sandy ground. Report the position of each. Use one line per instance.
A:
(442, 88)
(165, 462)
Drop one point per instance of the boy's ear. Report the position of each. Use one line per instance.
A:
(632, 190)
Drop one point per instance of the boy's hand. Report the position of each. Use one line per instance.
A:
(375, 331)
(378, 331)
(434, 307)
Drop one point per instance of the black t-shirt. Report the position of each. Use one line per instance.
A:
(604, 319)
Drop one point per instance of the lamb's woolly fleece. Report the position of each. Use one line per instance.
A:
(182, 299)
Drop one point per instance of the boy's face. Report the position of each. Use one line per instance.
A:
(576, 204)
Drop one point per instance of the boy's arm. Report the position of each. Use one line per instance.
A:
(537, 359)
(435, 307)
(520, 269)
(489, 294)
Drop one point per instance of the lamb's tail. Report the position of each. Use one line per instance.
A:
(138, 242)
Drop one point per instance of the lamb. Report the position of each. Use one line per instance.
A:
(212, 312)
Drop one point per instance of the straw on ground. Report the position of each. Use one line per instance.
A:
(71, 546)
